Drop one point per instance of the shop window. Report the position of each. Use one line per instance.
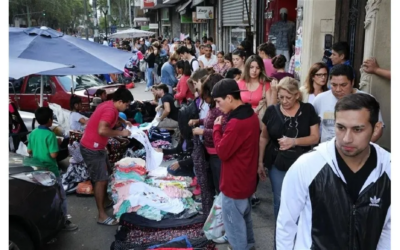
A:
(237, 35)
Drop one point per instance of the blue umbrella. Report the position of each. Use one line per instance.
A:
(48, 45)
(45, 44)
(22, 67)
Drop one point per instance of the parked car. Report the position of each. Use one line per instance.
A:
(25, 92)
(22, 123)
(35, 214)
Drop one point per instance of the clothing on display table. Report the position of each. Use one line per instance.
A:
(153, 158)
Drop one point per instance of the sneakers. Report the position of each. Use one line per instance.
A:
(68, 226)
(146, 90)
(221, 240)
(197, 190)
(255, 201)
(194, 182)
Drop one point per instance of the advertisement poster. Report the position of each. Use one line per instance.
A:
(205, 12)
(297, 56)
(195, 20)
(148, 3)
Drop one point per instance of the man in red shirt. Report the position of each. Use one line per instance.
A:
(94, 141)
(237, 147)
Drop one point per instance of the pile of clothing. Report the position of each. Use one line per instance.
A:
(76, 171)
(154, 195)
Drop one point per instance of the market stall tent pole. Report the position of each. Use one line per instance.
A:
(41, 91)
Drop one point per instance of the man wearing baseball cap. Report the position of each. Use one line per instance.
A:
(237, 147)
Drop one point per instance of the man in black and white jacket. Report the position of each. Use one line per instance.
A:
(338, 195)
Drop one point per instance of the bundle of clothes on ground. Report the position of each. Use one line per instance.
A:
(154, 208)
(153, 195)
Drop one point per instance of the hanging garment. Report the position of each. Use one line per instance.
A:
(153, 158)
(201, 169)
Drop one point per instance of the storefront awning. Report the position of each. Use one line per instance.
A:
(141, 19)
(170, 1)
(196, 2)
(183, 6)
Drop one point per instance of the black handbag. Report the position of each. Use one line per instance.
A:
(285, 158)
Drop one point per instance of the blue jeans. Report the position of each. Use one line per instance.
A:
(238, 224)
(276, 176)
(149, 77)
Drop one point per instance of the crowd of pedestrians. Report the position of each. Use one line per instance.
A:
(240, 118)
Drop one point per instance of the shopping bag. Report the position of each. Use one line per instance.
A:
(214, 225)
(85, 188)
(22, 149)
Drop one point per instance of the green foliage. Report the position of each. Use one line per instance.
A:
(64, 14)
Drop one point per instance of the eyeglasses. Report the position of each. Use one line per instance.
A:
(321, 75)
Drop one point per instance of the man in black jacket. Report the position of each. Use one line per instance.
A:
(338, 196)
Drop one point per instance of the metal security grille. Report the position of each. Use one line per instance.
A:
(232, 13)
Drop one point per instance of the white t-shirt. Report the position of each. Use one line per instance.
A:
(311, 98)
(210, 62)
(204, 108)
(74, 123)
(214, 48)
(324, 105)
(194, 64)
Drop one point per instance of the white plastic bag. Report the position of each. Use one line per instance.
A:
(22, 149)
(214, 226)
(142, 65)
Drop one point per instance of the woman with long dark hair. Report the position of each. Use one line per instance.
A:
(238, 59)
(279, 63)
(183, 92)
(220, 67)
(150, 58)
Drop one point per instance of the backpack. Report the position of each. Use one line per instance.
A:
(191, 64)
(160, 60)
(187, 112)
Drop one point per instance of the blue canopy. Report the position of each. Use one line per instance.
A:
(83, 57)
(19, 67)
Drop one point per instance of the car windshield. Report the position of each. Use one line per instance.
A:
(80, 82)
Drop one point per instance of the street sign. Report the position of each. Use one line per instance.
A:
(113, 29)
(153, 26)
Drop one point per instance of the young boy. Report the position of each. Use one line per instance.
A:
(237, 148)
(43, 146)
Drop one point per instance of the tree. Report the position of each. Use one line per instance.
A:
(62, 14)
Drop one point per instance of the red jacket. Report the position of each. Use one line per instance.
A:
(182, 90)
(237, 147)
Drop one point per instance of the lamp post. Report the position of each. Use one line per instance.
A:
(104, 9)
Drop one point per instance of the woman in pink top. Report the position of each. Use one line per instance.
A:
(183, 92)
(267, 51)
(253, 80)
